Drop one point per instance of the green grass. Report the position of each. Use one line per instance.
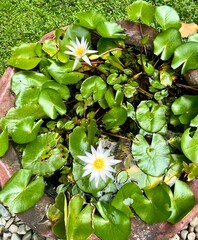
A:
(28, 20)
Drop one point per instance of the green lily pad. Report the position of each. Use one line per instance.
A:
(4, 142)
(42, 156)
(18, 189)
(110, 30)
(153, 159)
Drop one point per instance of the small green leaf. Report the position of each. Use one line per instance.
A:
(182, 201)
(189, 144)
(26, 130)
(95, 86)
(42, 156)
(141, 10)
(152, 159)
(151, 116)
(153, 207)
(18, 189)
(23, 80)
(24, 57)
(52, 103)
(112, 224)
(110, 30)
(194, 121)
(166, 42)
(191, 170)
(125, 192)
(90, 19)
(79, 219)
(186, 55)
(115, 117)
(193, 38)
(167, 17)
(4, 142)
(28, 95)
(186, 107)
(50, 47)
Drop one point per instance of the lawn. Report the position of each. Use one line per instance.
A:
(28, 20)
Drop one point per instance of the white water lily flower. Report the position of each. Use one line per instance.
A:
(99, 164)
(79, 50)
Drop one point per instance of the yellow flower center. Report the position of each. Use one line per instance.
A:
(99, 163)
(79, 51)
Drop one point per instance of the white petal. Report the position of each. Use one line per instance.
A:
(87, 172)
(114, 162)
(91, 51)
(86, 59)
(109, 175)
(75, 63)
(103, 176)
(83, 158)
(77, 42)
(109, 169)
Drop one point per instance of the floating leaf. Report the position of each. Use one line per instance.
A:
(166, 42)
(112, 224)
(95, 86)
(18, 189)
(189, 144)
(167, 17)
(186, 107)
(152, 159)
(124, 193)
(153, 206)
(79, 219)
(28, 95)
(186, 55)
(110, 30)
(52, 103)
(115, 117)
(182, 201)
(4, 142)
(24, 57)
(151, 116)
(141, 10)
(23, 80)
(90, 19)
(26, 130)
(42, 156)
(50, 47)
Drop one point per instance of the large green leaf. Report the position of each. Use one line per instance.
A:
(52, 103)
(186, 107)
(110, 30)
(152, 159)
(24, 57)
(18, 189)
(153, 207)
(166, 42)
(23, 80)
(124, 194)
(182, 201)
(95, 86)
(186, 55)
(115, 117)
(28, 95)
(15, 115)
(189, 144)
(79, 219)
(112, 223)
(26, 130)
(141, 10)
(4, 142)
(42, 156)
(151, 116)
(90, 19)
(167, 17)
(63, 74)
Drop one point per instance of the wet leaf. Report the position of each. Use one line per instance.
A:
(52, 103)
(18, 189)
(182, 201)
(111, 224)
(186, 55)
(141, 10)
(189, 144)
(167, 17)
(26, 130)
(151, 116)
(186, 108)
(110, 30)
(4, 142)
(24, 57)
(43, 156)
(153, 159)
(166, 42)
